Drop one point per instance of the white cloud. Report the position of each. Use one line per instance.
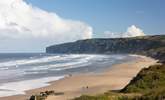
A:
(25, 23)
(132, 31)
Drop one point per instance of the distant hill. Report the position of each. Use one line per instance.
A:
(149, 84)
(153, 46)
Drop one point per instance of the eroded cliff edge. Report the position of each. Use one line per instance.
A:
(153, 46)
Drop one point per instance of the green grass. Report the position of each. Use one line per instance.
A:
(85, 97)
(106, 97)
(149, 83)
(148, 79)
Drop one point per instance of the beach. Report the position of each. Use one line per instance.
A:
(115, 78)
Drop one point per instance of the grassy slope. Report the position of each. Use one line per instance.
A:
(149, 83)
(148, 79)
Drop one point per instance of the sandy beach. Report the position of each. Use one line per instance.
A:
(115, 78)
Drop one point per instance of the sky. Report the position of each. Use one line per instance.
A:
(31, 25)
(113, 15)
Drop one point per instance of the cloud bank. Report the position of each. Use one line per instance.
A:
(23, 24)
(132, 31)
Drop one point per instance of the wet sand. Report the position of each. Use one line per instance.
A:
(115, 78)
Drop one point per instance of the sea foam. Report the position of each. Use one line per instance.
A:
(16, 88)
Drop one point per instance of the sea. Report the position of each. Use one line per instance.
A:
(20, 72)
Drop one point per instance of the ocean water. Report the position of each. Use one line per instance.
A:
(24, 71)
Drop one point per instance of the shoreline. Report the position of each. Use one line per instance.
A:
(115, 78)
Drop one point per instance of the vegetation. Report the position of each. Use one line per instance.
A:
(148, 79)
(153, 46)
(109, 96)
(44, 95)
(149, 84)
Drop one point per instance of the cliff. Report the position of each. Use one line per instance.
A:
(153, 46)
(149, 84)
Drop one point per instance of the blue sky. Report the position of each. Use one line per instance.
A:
(113, 15)
(32, 25)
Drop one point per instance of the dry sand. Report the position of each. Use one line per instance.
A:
(115, 78)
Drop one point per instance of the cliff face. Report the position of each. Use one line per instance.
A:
(153, 46)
